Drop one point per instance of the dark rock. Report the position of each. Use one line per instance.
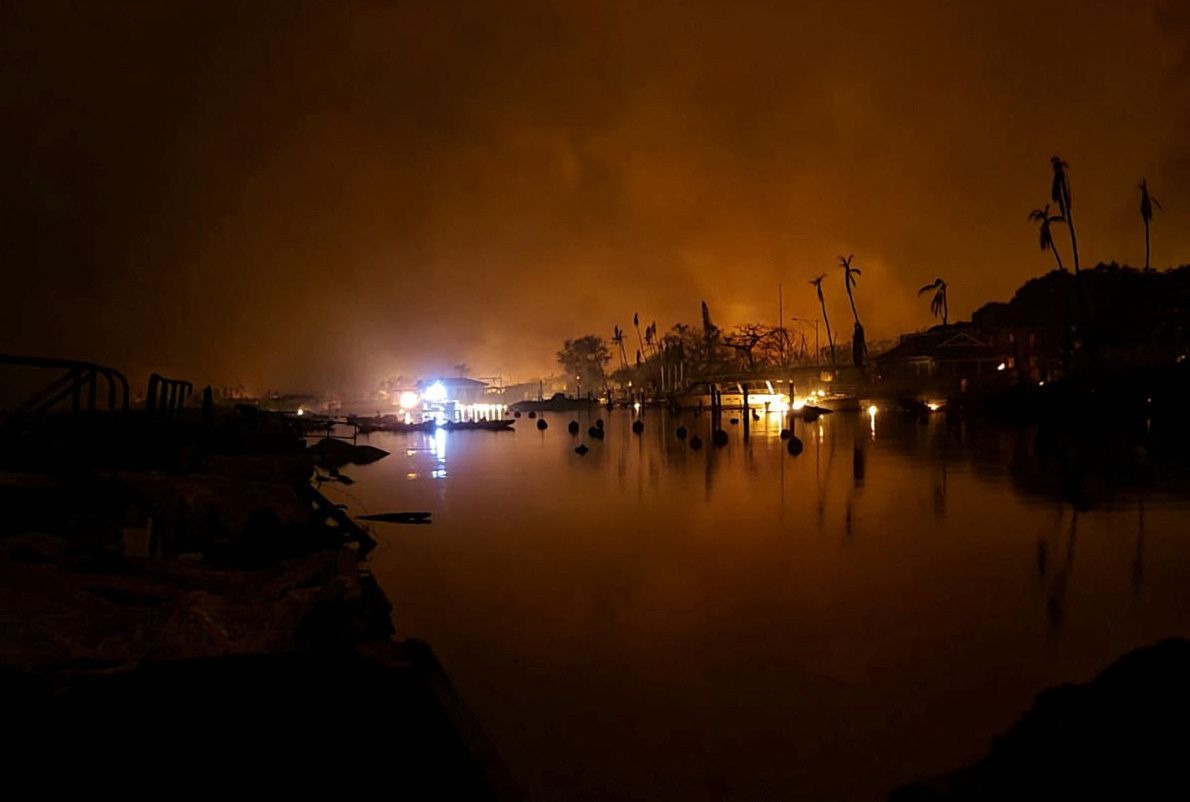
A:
(1123, 735)
(696, 442)
(719, 438)
(786, 434)
(541, 424)
(794, 446)
(638, 427)
(332, 453)
(681, 432)
(572, 427)
(581, 449)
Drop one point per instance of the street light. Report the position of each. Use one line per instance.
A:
(817, 350)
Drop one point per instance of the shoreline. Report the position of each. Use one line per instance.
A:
(159, 580)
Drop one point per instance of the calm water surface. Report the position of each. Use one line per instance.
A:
(650, 622)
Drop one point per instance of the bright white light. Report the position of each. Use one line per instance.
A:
(301, 411)
(872, 410)
(1001, 366)
(780, 403)
(1041, 384)
(408, 399)
(636, 406)
(822, 393)
(435, 393)
(798, 403)
(934, 406)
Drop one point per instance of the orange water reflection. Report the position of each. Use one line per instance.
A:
(651, 622)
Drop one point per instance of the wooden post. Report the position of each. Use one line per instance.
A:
(747, 411)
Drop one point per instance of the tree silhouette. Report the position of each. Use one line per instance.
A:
(859, 348)
(1045, 220)
(584, 358)
(745, 338)
(651, 338)
(849, 274)
(618, 339)
(817, 282)
(1147, 202)
(1060, 194)
(639, 340)
(938, 305)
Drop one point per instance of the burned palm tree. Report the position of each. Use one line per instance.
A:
(636, 325)
(618, 339)
(817, 282)
(849, 274)
(1147, 202)
(1044, 220)
(859, 348)
(938, 305)
(1060, 194)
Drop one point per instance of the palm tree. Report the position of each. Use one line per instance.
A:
(859, 348)
(1147, 202)
(618, 339)
(938, 304)
(640, 340)
(1060, 194)
(1045, 220)
(817, 282)
(849, 274)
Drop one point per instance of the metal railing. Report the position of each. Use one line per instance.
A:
(78, 384)
(166, 397)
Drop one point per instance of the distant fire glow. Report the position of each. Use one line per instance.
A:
(435, 393)
(409, 399)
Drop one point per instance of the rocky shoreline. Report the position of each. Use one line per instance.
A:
(188, 588)
(1123, 735)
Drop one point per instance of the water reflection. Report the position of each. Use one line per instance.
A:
(654, 621)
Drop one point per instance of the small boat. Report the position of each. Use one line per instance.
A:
(558, 402)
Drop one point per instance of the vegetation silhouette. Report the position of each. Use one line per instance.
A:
(1044, 220)
(938, 304)
(1060, 194)
(859, 348)
(817, 282)
(1147, 202)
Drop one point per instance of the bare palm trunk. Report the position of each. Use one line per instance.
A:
(1058, 256)
(1146, 244)
(851, 298)
(945, 309)
(829, 338)
(1073, 238)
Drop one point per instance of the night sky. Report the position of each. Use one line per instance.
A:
(318, 195)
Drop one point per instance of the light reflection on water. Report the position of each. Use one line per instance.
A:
(652, 622)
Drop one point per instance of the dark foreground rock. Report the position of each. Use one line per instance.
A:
(1124, 735)
(383, 716)
(182, 605)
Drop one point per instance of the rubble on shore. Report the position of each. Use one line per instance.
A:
(163, 579)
